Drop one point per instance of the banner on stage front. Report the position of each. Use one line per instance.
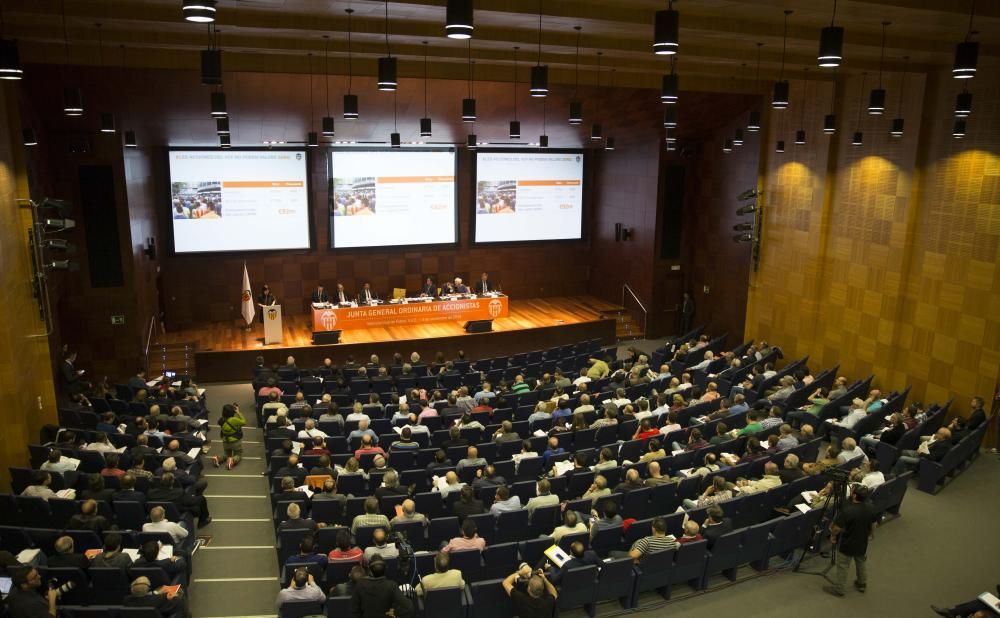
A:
(380, 316)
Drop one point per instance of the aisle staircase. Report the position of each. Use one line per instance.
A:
(177, 357)
(626, 326)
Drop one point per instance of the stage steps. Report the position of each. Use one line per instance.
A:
(177, 357)
(626, 326)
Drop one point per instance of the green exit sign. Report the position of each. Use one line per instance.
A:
(117, 320)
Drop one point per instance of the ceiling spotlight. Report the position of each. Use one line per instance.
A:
(966, 59)
(743, 237)
(609, 144)
(800, 137)
(328, 127)
(858, 139)
(963, 104)
(351, 106)
(222, 125)
(107, 122)
(670, 117)
(780, 98)
(747, 209)
(468, 110)
(224, 141)
(394, 140)
(831, 43)
(29, 137)
(539, 80)
(830, 124)
(459, 19)
(543, 141)
(387, 74)
(425, 127)
(59, 225)
(897, 122)
(312, 140)
(876, 102)
(959, 131)
(780, 146)
(665, 31)
(727, 146)
(897, 127)
(199, 11)
(575, 112)
(515, 129)
(470, 141)
(743, 227)
(669, 88)
(738, 138)
(596, 131)
(350, 100)
(753, 123)
(10, 60)
(130, 139)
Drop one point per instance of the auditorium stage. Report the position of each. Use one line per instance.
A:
(225, 351)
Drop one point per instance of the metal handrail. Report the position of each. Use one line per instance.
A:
(149, 338)
(645, 313)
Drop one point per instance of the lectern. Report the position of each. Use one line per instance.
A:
(272, 324)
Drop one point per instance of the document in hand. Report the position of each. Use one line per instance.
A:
(556, 555)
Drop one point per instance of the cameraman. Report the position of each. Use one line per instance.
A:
(24, 600)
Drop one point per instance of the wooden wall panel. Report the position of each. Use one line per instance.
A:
(26, 385)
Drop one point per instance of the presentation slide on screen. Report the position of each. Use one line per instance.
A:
(392, 197)
(239, 200)
(528, 196)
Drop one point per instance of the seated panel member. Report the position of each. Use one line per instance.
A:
(320, 295)
(460, 288)
(447, 288)
(341, 296)
(484, 286)
(366, 296)
(429, 288)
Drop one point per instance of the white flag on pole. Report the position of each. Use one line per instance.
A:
(248, 309)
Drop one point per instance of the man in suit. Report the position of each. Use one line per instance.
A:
(366, 296)
(72, 378)
(447, 288)
(127, 492)
(484, 284)
(319, 295)
(342, 296)
(687, 312)
(429, 288)
(715, 525)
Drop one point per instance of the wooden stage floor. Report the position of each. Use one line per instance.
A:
(225, 351)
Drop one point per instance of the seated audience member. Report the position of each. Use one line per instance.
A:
(543, 497)
(790, 470)
(390, 486)
(868, 474)
(141, 594)
(65, 554)
(405, 442)
(579, 556)
(371, 516)
(295, 520)
(849, 450)
(472, 459)
(488, 477)
(289, 491)
(715, 525)
(504, 502)
(692, 532)
(598, 489)
(770, 480)
(467, 504)
(469, 539)
(88, 519)
(376, 596)
(443, 576)
(96, 489)
(786, 439)
(632, 481)
(933, 448)
(655, 451)
(302, 587)
(307, 553)
(380, 548)
(368, 447)
(329, 492)
(571, 525)
(127, 491)
(533, 596)
(447, 484)
(709, 466)
(345, 551)
(654, 477)
(111, 555)
(659, 540)
(111, 466)
(158, 522)
(57, 463)
(718, 491)
(408, 512)
(976, 608)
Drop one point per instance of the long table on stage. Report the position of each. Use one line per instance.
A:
(413, 311)
(225, 351)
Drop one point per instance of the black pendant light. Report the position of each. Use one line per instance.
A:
(515, 124)
(738, 137)
(753, 122)
(470, 141)
(222, 125)
(107, 117)
(966, 52)
(459, 19)
(575, 106)
(198, 11)
(10, 59)
(876, 100)
(858, 138)
(596, 130)
(350, 100)
(610, 138)
(670, 87)
(218, 104)
(665, 31)
(800, 134)
(327, 122)
(543, 139)
(958, 132)
(469, 104)
(130, 141)
(539, 72)
(28, 137)
(727, 145)
(225, 141)
(387, 65)
(963, 104)
(780, 146)
(670, 117)
(394, 140)
(779, 100)
(72, 97)
(830, 120)
(831, 43)
(425, 122)
(897, 122)
(312, 139)
(211, 61)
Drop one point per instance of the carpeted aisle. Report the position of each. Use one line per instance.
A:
(236, 574)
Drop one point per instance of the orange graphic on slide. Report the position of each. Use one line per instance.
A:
(548, 183)
(260, 184)
(420, 179)
(346, 318)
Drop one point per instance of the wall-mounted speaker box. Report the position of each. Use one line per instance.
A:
(479, 326)
(323, 337)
